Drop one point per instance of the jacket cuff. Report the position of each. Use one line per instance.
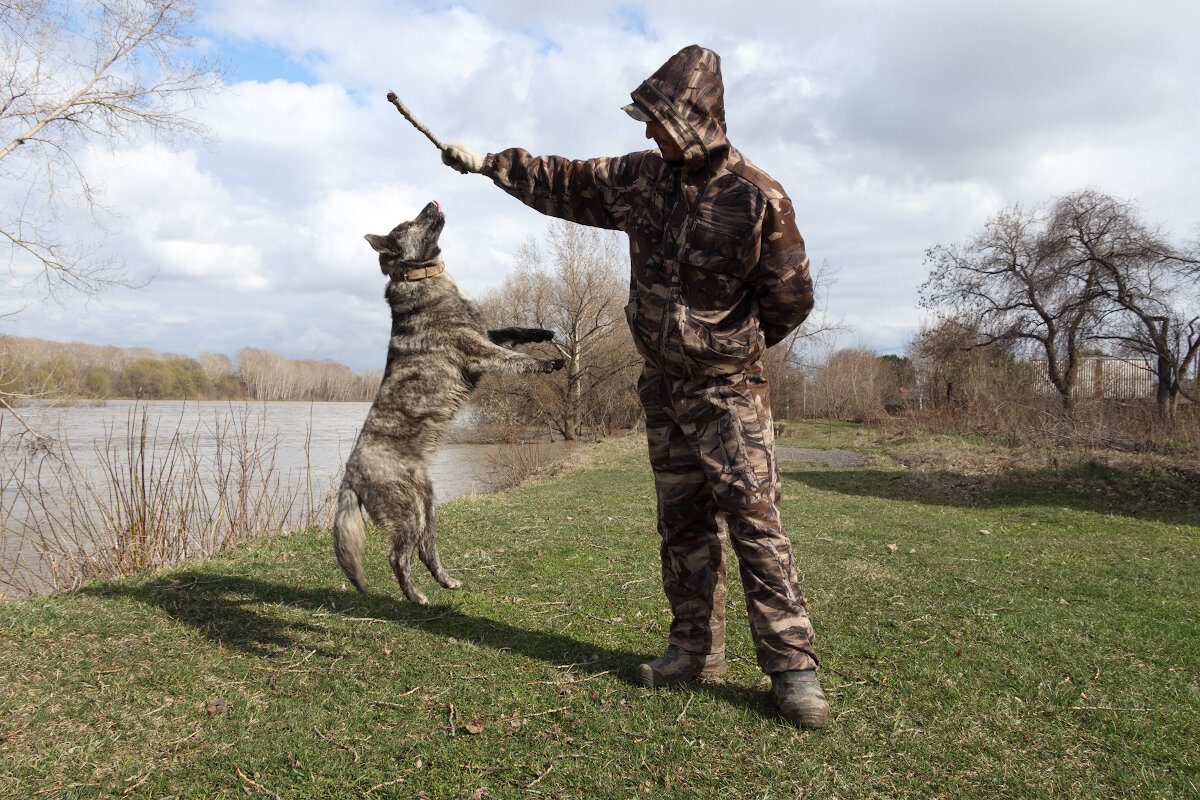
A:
(489, 165)
(774, 334)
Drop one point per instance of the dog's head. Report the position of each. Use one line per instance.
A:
(410, 244)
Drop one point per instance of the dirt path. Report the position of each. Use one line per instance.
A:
(847, 459)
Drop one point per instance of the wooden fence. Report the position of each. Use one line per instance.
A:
(1108, 377)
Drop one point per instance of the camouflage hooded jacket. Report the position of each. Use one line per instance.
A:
(719, 271)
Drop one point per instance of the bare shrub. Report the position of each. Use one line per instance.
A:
(516, 461)
(158, 495)
(852, 384)
(968, 383)
(969, 386)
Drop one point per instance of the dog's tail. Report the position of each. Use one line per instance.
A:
(350, 536)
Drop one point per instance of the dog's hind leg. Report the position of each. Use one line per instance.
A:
(401, 512)
(428, 550)
(401, 561)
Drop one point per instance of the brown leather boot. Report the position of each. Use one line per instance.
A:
(678, 666)
(800, 699)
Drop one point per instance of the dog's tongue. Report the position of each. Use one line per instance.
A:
(439, 205)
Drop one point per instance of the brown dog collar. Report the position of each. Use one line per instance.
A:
(428, 271)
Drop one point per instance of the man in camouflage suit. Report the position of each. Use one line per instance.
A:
(719, 274)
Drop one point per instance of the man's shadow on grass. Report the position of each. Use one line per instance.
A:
(235, 610)
(1085, 487)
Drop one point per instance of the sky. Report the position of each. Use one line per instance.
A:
(893, 126)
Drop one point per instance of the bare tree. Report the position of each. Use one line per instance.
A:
(852, 384)
(76, 74)
(1149, 285)
(956, 370)
(1017, 283)
(575, 284)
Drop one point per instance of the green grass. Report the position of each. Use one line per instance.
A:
(822, 434)
(1024, 635)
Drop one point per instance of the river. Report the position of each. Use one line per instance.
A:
(304, 446)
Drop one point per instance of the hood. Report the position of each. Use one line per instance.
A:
(687, 96)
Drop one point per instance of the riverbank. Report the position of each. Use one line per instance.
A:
(129, 487)
(1022, 634)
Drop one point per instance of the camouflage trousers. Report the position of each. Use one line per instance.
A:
(712, 448)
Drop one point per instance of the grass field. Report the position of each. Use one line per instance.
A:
(1022, 633)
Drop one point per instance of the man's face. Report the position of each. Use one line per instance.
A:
(666, 145)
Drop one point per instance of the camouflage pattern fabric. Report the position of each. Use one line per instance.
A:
(719, 270)
(711, 445)
(719, 273)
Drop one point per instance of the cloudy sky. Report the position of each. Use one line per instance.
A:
(893, 126)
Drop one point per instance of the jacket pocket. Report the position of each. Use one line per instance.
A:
(719, 342)
(715, 247)
(713, 267)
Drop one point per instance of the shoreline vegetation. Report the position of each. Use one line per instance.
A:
(993, 622)
(73, 372)
(157, 492)
(168, 486)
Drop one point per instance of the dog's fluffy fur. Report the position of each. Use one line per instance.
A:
(438, 351)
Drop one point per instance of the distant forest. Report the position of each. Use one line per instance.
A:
(34, 368)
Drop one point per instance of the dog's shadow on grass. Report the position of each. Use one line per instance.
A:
(235, 610)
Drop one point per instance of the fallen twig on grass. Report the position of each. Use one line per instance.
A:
(539, 778)
(345, 747)
(679, 718)
(4, 737)
(139, 782)
(525, 716)
(1111, 708)
(977, 584)
(382, 785)
(255, 784)
(918, 644)
(572, 679)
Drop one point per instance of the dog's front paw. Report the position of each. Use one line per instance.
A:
(552, 364)
(542, 335)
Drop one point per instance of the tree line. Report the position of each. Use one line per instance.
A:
(1017, 309)
(1081, 276)
(33, 369)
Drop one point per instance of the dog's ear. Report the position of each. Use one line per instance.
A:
(382, 244)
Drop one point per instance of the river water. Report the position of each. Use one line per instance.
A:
(306, 444)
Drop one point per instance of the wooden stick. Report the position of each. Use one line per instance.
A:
(526, 716)
(408, 115)
(1111, 708)
(679, 718)
(539, 778)
(347, 748)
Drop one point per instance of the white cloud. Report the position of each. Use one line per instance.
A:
(894, 126)
(236, 267)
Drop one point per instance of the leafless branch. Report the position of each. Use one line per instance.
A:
(77, 74)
